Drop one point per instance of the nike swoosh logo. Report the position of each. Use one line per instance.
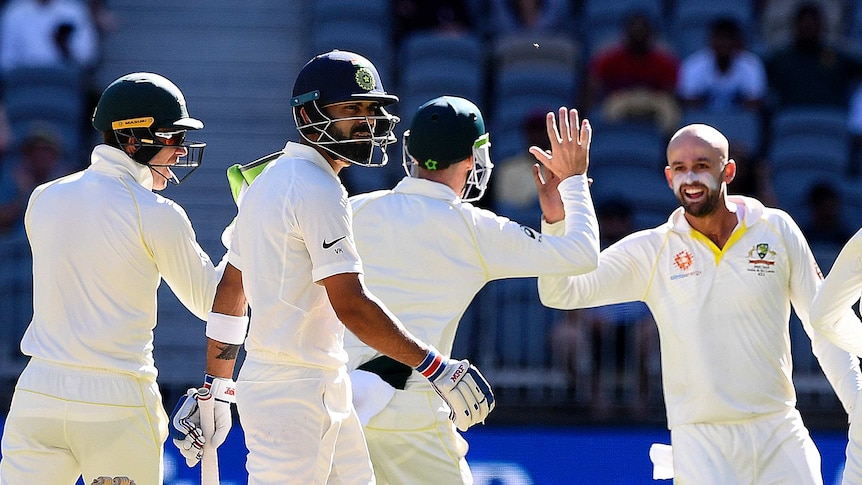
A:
(327, 245)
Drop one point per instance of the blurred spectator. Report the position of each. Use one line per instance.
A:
(723, 75)
(825, 221)
(776, 29)
(753, 175)
(610, 352)
(809, 71)
(47, 33)
(40, 159)
(529, 16)
(418, 15)
(512, 188)
(635, 78)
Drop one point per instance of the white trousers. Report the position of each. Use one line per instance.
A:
(66, 422)
(300, 426)
(771, 449)
(413, 442)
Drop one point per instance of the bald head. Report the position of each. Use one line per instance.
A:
(700, 134)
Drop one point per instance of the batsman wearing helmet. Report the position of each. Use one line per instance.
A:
(293, 256)
(436, 252)
(87, 403)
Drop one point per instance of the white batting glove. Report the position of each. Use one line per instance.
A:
(462, 386)
(224, 392)
(185, 428)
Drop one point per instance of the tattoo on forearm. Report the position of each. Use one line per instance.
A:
(228, 352)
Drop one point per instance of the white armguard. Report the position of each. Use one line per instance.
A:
(226, 328)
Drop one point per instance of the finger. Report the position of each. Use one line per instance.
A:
(551, 125)
(586, 137)
(565, 125)
(541, 156)
(573, 121)
(537, 175)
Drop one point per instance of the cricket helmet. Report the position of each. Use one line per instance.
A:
(340, 77)
(447, 130)
(148, 111)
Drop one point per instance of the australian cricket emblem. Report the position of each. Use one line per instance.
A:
(761, 259)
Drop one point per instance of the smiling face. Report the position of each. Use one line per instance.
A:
(698, 169)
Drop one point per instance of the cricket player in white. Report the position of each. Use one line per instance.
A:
(293, 256)
(427, 251)
(719, 278)
(87, 404)
(832, 314)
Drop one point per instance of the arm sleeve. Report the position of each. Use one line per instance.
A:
(622, 275)
(840, 367)
(831, 311)
(512, 250)
(183, 264)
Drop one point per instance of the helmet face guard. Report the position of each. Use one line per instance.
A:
(358, 151)
(147, 143)
(477, 179)
(342, 77)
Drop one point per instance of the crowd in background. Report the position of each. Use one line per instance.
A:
(636, 65)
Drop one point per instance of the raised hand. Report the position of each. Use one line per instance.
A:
(570, 144)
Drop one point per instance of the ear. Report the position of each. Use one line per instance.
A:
(304, 115)
(131, 145)
(668, 177)
(729, 171)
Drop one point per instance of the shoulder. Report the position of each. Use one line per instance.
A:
(359, 201)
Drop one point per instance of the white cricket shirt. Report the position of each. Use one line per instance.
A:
(831, 311)
(293, 230)
(426, 253)
(722, 315)
(101, 242)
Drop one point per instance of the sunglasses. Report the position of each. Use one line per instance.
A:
(172, 138)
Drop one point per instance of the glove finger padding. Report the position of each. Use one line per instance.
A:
(466, 392)
(186, 432)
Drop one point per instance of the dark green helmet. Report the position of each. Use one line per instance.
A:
(443, 131)
(447, 130)
(143, 100)
(148, 111)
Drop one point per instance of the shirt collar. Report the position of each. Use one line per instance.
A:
(428, 188)
(748, 208)
(306, 152)
(108, 159)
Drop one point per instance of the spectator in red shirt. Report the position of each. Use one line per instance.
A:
(635, 78)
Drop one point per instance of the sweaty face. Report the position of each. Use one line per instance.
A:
(695, 172)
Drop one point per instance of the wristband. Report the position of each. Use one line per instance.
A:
(222, 389)
(432, 366)
(228, 329)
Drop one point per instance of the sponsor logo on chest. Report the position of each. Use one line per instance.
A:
(683, 265)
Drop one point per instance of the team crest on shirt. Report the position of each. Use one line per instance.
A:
(761, 259)
(682, 264)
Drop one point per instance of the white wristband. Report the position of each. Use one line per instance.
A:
(226, 328)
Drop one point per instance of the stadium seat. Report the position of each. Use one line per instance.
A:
(739, 126)
(689, 22)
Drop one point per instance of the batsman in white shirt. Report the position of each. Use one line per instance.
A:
(427, 251)
(87, 404)
(719, 277)
(292, 255)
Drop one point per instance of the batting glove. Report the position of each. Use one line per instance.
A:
(224, 392)
(185, 428)
(462, 386)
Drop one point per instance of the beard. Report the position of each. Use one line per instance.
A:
(358, 151)
(703, 208)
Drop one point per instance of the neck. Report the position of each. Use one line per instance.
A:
(717, 227)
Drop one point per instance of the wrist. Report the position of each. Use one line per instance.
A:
(432, 365)
(222, 388)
